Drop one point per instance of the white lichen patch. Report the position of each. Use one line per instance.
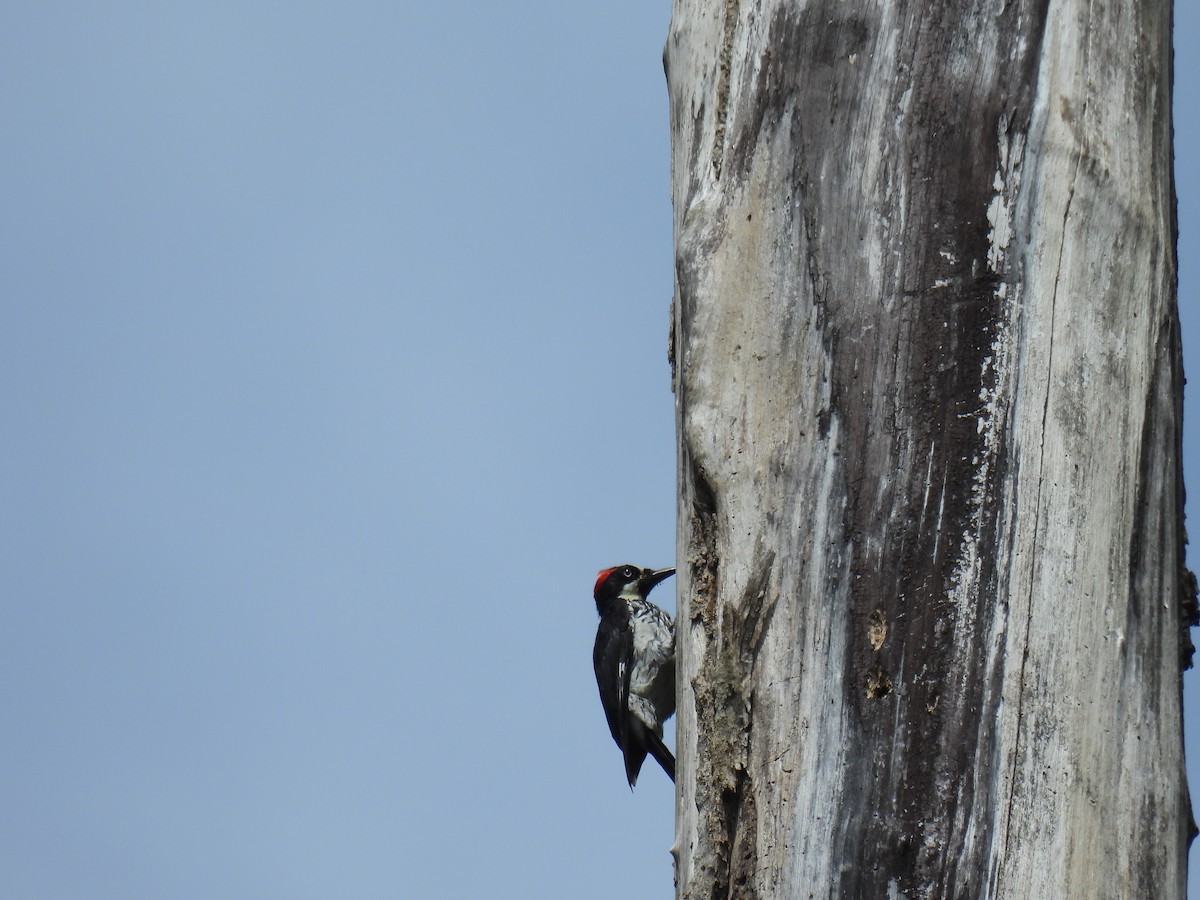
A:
(1005, 184)
(1001, 222)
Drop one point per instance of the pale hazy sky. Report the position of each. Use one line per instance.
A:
(315, 441)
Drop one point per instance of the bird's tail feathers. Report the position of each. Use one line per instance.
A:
(660, 752)
(638, 742)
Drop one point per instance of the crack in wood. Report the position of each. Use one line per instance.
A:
(724, 64)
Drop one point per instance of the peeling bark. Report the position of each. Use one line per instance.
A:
(927, 367)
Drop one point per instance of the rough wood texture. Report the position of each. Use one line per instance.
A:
(928, 383)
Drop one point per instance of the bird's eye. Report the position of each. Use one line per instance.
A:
(629, 572)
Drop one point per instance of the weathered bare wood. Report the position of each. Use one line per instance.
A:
(928, 383)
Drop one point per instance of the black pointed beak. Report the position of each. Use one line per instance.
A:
(650, 578)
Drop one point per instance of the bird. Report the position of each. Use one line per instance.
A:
(634, 658)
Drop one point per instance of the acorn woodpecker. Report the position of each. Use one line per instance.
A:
(634, 659)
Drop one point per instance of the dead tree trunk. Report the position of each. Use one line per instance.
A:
(928, 382)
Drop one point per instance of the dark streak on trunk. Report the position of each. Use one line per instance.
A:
(930, 333)
(877, 141)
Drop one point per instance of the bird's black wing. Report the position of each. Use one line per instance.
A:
(612, 658)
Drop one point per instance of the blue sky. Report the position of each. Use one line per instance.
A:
(334, 366)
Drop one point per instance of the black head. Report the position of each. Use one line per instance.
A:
(627, 581)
